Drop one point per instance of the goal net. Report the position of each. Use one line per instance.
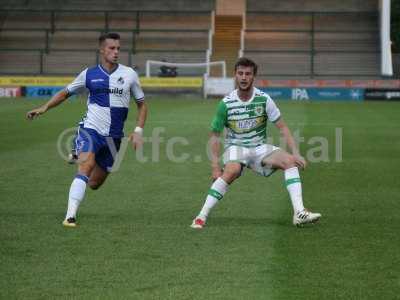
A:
(169, 69)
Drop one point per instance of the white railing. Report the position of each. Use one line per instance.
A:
(242, 35)
(386, 51)
(241, 43)
(208, 59)
(210, 42)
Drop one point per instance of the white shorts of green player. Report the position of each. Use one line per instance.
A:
(263, 160)
(251, 158)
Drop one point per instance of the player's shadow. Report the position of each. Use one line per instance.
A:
(246, 221)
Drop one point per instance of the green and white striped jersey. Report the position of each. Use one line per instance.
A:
(246, 122)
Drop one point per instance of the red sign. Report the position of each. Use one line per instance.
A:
(321, 83)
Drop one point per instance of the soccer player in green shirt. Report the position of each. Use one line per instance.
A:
(244, 114)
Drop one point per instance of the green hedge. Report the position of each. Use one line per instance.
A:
(396, 25)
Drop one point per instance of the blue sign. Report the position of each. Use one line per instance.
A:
(41, 91)
(279, 93)
(338, 94)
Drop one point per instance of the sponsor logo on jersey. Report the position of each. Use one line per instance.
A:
(97, 80)
(115, 91)
(247, 124)
(258, 110)
(237, 111)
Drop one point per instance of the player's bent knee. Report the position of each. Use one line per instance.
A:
(229, 177)
(283, 161)
(86, 163)
(288, 162)
(231, 173)
(86, 168)
(94, 185)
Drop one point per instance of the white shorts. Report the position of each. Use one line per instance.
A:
(251, 157)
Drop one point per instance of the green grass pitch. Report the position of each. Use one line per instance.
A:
(134, 239)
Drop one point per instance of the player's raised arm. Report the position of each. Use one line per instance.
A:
(56, 100)
(74, 87)
(291, 143)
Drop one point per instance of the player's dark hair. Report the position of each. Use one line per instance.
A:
(108, 35)
(246, 62)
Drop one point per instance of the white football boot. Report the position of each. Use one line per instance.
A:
(305, 217)
(198, 223)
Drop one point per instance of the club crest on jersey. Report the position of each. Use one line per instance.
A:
(259, 111)
(121, 80)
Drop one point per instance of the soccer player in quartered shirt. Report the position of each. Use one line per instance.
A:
(244, 114)
(110, 86)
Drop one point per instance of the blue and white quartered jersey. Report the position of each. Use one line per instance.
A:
(109, 95)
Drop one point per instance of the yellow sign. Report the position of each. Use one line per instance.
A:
(176, 82)
(156, 82)
(35, 81)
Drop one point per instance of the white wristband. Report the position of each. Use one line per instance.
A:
(138, 130)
